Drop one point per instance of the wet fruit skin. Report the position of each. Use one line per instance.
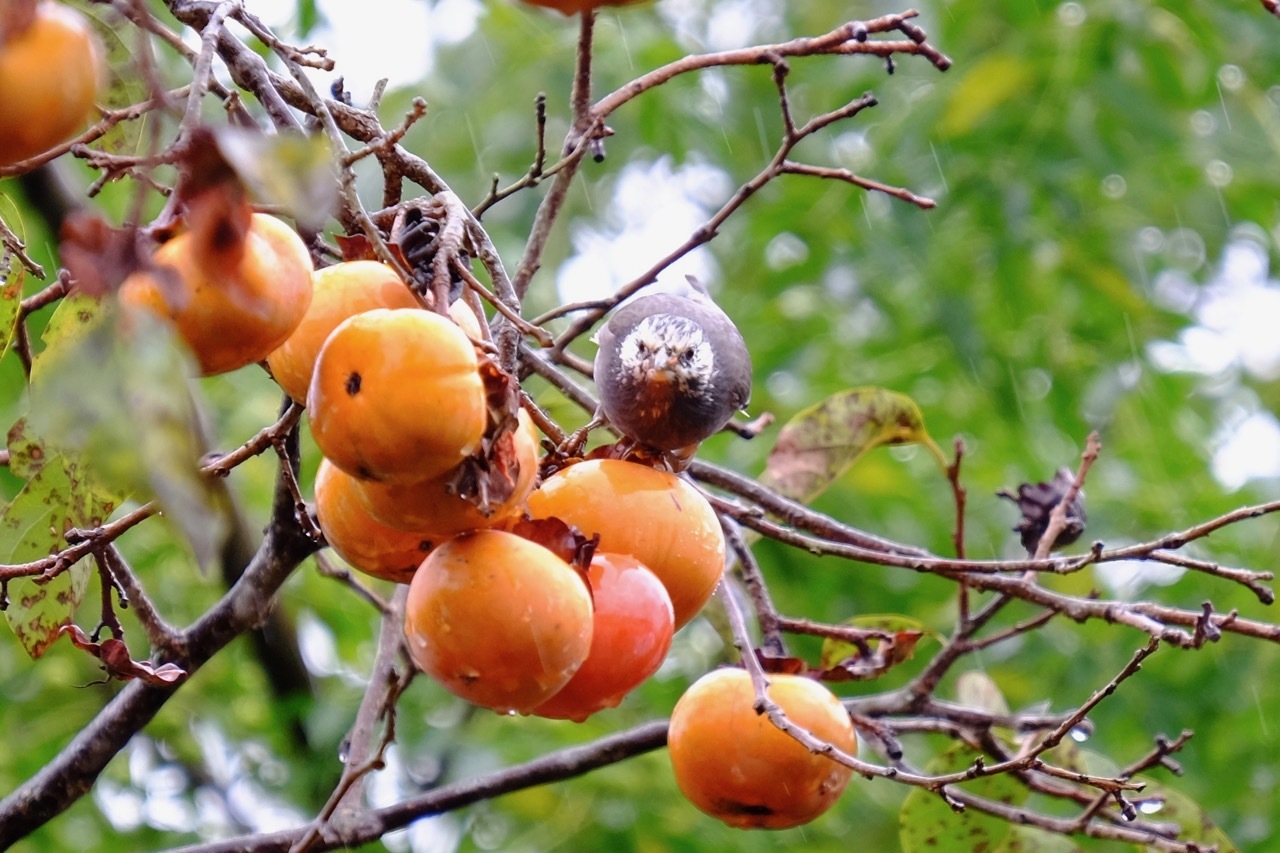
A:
(498, 620)
(652, 515)
(338, 292)
(630, 638)
(735, 765)
(230, 314)
(430, 506)
(50, 76)
(361, 540)
(396, 396)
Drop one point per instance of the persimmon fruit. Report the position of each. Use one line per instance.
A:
(338, 292)
(357, 537)
(431, 505)
(736, 765)
(652, 515)
(630, 638)
(50, 74)
(396, 396)
(232, 303)
(498, 620)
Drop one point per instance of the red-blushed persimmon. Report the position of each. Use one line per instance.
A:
(51, 71)
(431, 506)
(232, 303)
(498, 620)
(629, 640)
(736, 765)
(396, 396)
(360, 539)
(652, 515)
(570, 7)
(338, 292)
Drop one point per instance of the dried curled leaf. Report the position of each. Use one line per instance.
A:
(1036, 501)
(559, 537)
(114, 655)
(863, 660)
(821, 443)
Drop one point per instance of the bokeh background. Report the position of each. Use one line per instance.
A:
(1101, 257)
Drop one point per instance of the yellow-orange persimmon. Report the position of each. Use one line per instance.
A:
(396, 396)
(736, 765)
(431, 505)
(652, 515)
(338, 292)
(498, 620)
(51, 70)
(360, 539)
(232, 302)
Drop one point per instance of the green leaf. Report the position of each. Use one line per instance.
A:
(58, 498)
(1030, 839)
(819, 444)
(15, 276)
(308, 16)
(907, 635)
(984, 88)
(27, 453)
(927, 823)
(1167, 804)
(124, 402)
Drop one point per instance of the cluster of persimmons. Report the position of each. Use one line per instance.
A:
(425, 482)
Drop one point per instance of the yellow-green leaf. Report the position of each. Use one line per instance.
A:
(927, 823)
(123, 401)
(58, 498)
(1162, 803)
(819, 444)
(988, 83)
(10, 299)
(907, 634)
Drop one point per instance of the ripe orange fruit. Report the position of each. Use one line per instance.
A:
(430, 506)
(338, 292)
(498, 620)
(232, 305)
(735, 765)
(50, 74)
(569, 7)
(629, 640)
(360, 539)
(396, 396)
(652, 515)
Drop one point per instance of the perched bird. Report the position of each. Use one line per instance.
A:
(671, 370)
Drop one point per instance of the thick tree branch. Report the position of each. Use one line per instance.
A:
(246, 605)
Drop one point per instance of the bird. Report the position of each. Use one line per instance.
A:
(671, 369)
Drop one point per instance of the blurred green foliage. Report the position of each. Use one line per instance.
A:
(1085, 156)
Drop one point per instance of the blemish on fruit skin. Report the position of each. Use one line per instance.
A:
(353, 383)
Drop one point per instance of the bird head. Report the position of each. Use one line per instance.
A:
(668, 349)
